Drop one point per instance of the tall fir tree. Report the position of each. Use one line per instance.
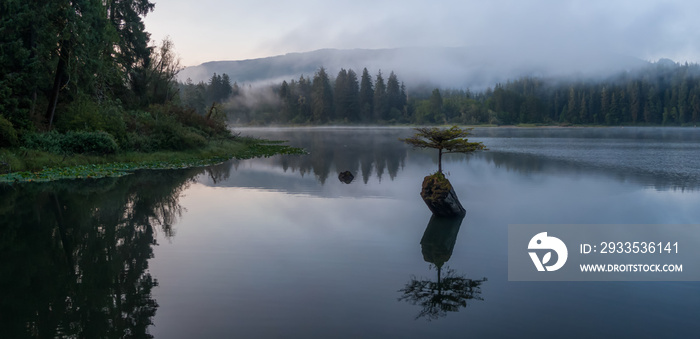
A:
(381, 108)
(321, 97)
(394, 98)
(366, 97)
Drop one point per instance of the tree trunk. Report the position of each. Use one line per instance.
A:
(58, 82)
(440, 197)
(440, 160)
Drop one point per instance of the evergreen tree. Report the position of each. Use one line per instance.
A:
(303, 94)
(366, 97)
(381, 108)
(219, 89)
(339, 95)
(321, 97)
(612, 116)
(353, 97)
(285, 95)
(635, 106)
(393, 98)
(133, 55)
(346, 95)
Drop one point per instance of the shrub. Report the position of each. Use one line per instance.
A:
(171, 136)
(89, 142)
(9, 162)
(8, 135)
(80, 115)
(72, 142)
(138, 142)
(49, 142)
(188, 117)
(84, 114)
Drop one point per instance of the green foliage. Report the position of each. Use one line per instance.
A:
(9, 162)
(169, 136)
(122, 164)
(49, 142)
(449, 140)
(170, 127)
(85, 114)
(80, 142)
(89, 143)
(8, 135)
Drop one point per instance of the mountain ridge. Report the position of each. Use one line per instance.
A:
(457, 67)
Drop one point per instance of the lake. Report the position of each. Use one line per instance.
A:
(279, 247)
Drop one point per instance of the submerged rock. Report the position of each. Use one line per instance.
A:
(440, 197)
(346, 177)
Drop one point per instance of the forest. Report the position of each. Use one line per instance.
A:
(662, 93)
(81, 83)
(83, 77)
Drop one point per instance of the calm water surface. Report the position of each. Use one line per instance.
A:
(281, 248)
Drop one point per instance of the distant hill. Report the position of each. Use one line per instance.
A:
(447, 67)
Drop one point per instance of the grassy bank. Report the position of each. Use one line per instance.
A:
(35, 165)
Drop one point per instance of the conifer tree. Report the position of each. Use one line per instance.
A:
(381, 111)
(366, 97)
(393, 98)
(321, 97)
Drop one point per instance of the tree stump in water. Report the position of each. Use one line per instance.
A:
(440, 197)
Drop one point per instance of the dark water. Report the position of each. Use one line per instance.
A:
(281, 248)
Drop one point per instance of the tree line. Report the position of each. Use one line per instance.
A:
(346, 99)
(662, 93)
(320, 99)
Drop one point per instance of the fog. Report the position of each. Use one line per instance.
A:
(502, 39)
(474, 68)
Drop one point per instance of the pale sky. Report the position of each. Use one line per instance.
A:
(211, 30)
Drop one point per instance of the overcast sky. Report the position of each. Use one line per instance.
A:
(209, 30)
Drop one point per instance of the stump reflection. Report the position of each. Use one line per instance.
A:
(451, 291)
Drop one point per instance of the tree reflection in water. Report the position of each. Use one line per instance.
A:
(74, 254)
(451, 291)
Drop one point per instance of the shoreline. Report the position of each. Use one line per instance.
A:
(80, 166)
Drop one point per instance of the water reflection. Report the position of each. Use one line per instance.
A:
(451, 291)
(74, 254)
(346, 177)
(361, 151)
(663, 158)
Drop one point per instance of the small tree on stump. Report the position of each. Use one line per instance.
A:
(451, 140)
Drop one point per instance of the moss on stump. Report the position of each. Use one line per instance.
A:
(438, 194)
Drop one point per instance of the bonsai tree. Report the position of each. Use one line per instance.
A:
(451, 140)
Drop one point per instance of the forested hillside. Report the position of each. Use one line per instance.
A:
(662, 93)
